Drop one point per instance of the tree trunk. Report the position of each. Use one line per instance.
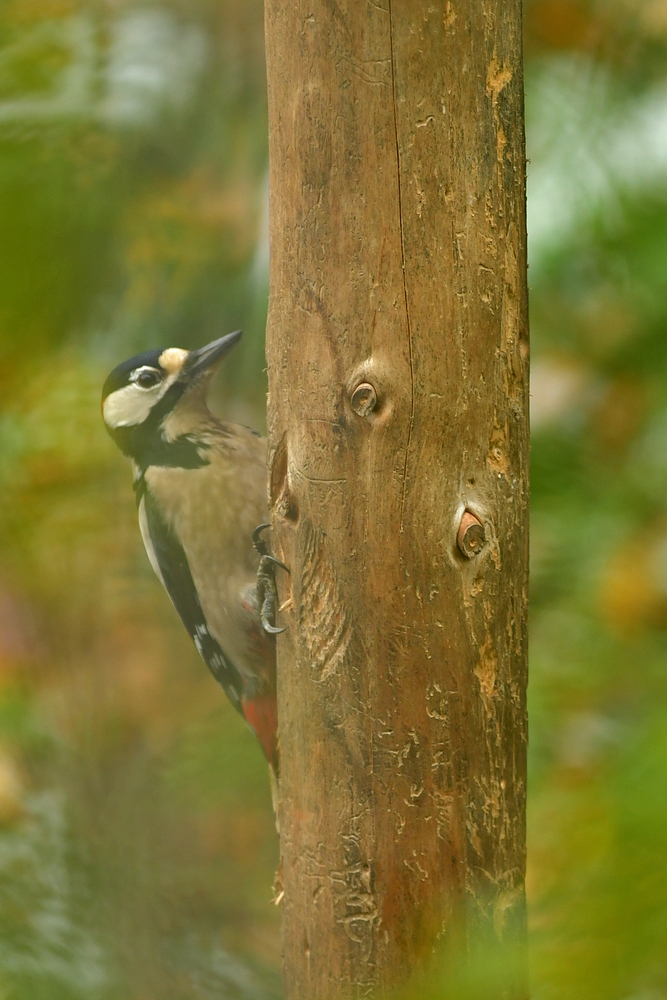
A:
(398, 386)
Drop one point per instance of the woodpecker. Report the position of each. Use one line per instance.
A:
(200, 489)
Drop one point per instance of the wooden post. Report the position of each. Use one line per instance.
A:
(398, 388)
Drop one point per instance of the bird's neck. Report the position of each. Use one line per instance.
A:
(185, 420)
(172, 441)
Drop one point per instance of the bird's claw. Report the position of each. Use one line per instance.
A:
(276, 562)
(258, 541)
(267, 592)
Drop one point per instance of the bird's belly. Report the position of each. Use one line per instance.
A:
(231, 624)
(214, 525)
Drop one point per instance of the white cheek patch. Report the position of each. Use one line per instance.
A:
(130, 405)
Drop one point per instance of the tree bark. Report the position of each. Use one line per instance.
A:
(397, 348)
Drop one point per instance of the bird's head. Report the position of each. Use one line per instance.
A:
(144, 395)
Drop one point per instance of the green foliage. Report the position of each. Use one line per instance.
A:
(598, 702)
(137, 845)
(137, 840)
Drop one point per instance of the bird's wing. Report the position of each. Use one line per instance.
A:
(170, 563)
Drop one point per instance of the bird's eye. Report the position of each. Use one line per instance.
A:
(147, 378)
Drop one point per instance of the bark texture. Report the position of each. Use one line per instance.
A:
(398, 263)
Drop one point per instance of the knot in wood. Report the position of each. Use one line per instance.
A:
(364, 399)
(471, 537)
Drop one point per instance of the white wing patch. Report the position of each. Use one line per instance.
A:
(148, 544)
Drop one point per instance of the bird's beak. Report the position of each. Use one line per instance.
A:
(205, 358)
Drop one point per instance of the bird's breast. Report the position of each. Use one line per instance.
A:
(212, 511)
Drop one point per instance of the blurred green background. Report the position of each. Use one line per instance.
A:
(137, 845)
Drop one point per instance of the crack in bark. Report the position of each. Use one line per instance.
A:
(403, 265)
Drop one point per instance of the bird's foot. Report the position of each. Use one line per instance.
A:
(267, 592)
